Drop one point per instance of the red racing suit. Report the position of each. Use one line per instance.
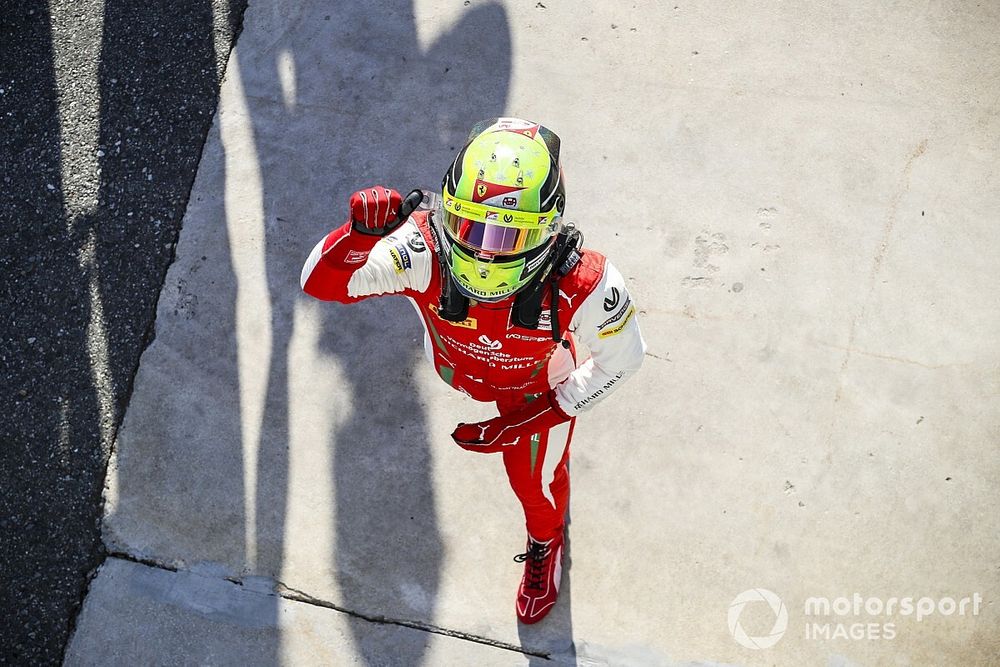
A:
(488, 357)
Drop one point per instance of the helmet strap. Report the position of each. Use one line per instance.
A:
(453, 306)
(528, 304)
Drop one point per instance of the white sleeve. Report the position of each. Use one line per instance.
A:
(607, 323)
(398, 262)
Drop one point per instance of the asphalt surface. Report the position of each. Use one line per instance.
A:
(104, 109)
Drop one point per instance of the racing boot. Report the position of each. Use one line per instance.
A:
(540, 583)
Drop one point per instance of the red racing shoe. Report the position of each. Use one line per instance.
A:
(540, 583)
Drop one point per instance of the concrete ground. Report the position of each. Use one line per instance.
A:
(803, 202)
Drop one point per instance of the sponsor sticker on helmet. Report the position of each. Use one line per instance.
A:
(486, 294)
(486, 190)
(510, 201)
(511, 218)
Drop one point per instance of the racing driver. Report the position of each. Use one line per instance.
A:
(505, 292)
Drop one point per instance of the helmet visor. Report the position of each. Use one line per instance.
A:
(491, 238)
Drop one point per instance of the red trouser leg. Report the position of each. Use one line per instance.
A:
(539, 475)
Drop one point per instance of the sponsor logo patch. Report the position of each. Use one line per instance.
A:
(469, 323)
(396, 261)
(611, 302)
(415, 241)
(490, 343)
(534, 264)
(400, 257)
(404, 254)
(510, 202)
(618, 329)
(617, 316)
(569, 300)
(542, 339)
(600, 392)
(545, 321)
(356, 257)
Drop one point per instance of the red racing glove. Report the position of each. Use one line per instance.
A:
(375, 210)
(506, 430)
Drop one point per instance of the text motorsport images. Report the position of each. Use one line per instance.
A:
(826, 613)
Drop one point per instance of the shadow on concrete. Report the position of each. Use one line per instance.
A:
(386, 521)
(414, 106)
(402, 110)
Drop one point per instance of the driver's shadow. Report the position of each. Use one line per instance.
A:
(362, 102)
(407, 109)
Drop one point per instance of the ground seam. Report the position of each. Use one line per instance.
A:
(294, 595)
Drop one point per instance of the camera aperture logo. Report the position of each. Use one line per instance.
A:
(736, 608)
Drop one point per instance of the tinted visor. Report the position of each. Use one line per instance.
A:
(491, 238)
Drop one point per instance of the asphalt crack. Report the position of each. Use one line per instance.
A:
(148, 562)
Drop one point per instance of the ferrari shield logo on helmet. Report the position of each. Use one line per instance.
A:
(485, 190)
